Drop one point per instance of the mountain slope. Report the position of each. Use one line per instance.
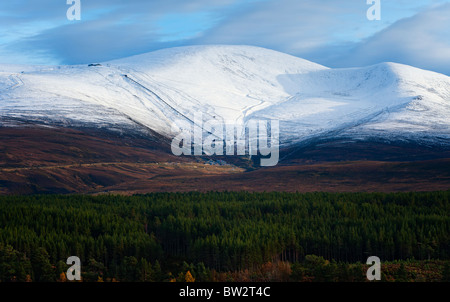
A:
(382, 100)
(232, 83)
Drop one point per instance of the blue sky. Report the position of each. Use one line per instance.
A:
(331, 32)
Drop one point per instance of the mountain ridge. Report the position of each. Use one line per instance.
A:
(232, 83)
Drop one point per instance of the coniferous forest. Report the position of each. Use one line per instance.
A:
(226, 236)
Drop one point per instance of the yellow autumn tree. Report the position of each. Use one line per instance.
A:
(188, 277)
(62, 277)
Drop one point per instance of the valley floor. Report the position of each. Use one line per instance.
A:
(58, 160)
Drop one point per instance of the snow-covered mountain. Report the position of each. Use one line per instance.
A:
(232, 83)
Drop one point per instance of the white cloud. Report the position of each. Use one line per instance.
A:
(289, 25)
(335, 33)
(422, 41)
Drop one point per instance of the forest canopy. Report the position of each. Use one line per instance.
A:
(122, 237)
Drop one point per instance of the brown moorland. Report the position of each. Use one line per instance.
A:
(60, 160)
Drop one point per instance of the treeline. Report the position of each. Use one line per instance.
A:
(145, 237)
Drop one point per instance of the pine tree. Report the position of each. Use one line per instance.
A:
(157, 272)
(446, 272)
(42, 267)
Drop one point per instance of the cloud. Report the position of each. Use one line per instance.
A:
(114, 28)
(330, 32)
(337, 33)
(422, 41)
(109, 29)
(292, 26)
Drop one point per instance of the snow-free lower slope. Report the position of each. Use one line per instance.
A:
(232, 83)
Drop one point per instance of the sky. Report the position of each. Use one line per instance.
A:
(335, 33)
